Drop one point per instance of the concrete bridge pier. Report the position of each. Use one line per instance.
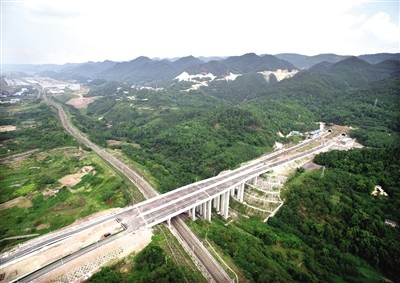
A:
(225, 204)
(254, 180)
(169, 222)
(240, 195)
(220, 203)
(193, 213)
(217, 203)
(209, 210)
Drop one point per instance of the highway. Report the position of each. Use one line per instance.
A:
(59, 263)
(147, 190)
(159, 208)
(53, 238)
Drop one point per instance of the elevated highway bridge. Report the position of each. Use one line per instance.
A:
(199, 198)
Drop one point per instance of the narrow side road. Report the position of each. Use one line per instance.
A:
(204, 257)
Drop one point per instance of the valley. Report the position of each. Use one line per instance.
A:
(325, 224)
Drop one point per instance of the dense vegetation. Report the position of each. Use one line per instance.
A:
(37, 127)
(370, 107)
(336, 214)
(155, 263)
(183, 136)
(32, 181)
(33, 199)
(331, 229)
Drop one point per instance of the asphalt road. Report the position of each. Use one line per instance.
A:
(136, 179)
(39, 273)
(167, 205)
(159, 209)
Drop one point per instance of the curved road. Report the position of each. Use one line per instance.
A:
(213, 268)
(159, 207)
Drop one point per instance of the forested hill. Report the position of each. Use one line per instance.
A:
(330, 229)
(351, 92)
(325, 77)
(182, 135)
(339, 222)
(147, 71)
(305, 62)
(322, 80)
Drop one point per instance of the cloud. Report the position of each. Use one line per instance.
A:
(122, 30)
(380, 26)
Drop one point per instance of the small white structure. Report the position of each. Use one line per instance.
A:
(294, 133)
(392, 223)
(278, 146)
(56, 91)
(378, 191)
(347, 142)
(74, 87)
(314, 133)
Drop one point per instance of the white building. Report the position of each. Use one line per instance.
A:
(74, 86)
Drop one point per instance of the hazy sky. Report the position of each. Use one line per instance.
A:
(59, 31)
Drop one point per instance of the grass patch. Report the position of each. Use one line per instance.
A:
(102, 188)
(25, 189)
(37, 127)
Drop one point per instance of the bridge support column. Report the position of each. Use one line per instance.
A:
(193, 212)
(169, 222)
(223, 200)
(225, 204)
(200, 209)
(218, 203)
(209, 210)
(237, 189)
(232, 192)
(204, 205)
(255, 180)
(241, 193)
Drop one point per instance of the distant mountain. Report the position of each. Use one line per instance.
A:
(379, 57)
(349, 64)
(121, 71)
(354, 71)
(90, 69)
(251, 62)
(186, 62)
(390, 65)
(327, 80)
(305, 62)
(214, 67)
(144, 70)
(34, 69)
(211, 58)
(246, 63)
